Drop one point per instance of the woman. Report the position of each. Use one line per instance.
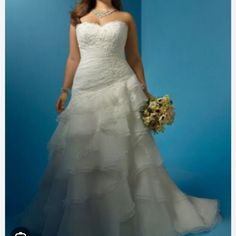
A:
(105, 175)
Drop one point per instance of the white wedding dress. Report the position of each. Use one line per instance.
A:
(105, 175)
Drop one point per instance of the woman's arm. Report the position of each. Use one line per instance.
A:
(71, 65)
(132, 52)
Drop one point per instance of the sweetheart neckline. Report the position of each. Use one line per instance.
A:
(102, 25)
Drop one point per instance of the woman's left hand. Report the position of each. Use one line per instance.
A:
(148, 95)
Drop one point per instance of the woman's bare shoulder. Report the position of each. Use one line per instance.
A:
(126, 16)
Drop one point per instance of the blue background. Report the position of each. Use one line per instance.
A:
(186, 53)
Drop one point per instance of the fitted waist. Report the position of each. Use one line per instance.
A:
(92, 63)
(99, 71)
(102, 53)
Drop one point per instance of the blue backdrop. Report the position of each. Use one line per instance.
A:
(186, 54)
(36, 51)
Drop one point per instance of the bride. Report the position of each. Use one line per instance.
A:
(105, 175)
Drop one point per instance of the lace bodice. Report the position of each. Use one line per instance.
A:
(105, 40)
(102, 50)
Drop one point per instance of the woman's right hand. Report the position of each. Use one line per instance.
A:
(60, 104)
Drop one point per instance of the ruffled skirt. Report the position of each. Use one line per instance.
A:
(105, 175)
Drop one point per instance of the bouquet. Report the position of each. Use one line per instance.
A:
(158, 112)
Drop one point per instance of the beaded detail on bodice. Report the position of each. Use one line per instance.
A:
(105, 40)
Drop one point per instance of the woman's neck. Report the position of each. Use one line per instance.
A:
(103, 4)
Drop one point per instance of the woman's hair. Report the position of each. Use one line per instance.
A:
(85, 6)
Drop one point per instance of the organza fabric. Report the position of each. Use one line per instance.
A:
(105, 175)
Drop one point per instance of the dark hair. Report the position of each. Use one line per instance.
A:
(85, 6)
